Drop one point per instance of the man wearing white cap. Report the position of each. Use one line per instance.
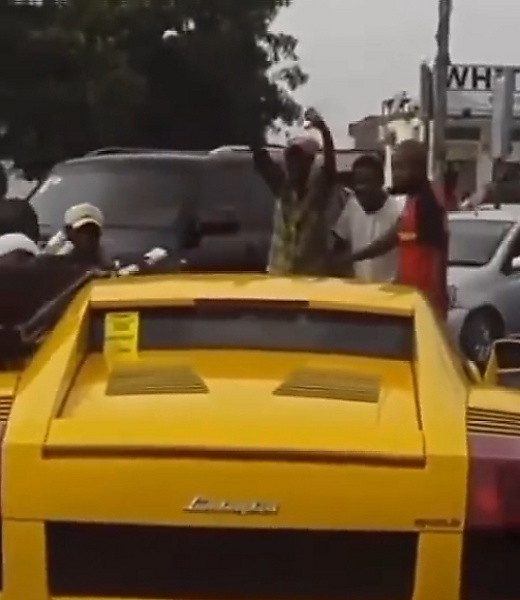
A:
(83, 227)
(300, 244)
(16, 249)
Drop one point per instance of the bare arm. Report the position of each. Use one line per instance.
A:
(379, 247)
(329, 151)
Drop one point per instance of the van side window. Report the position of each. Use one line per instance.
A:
(234, 184)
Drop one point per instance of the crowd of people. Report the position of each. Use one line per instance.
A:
(321, 228)
(20, 232)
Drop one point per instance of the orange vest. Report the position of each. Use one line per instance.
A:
(421, 266)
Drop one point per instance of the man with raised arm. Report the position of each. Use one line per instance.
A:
(306, 202)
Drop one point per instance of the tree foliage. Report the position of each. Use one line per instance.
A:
(81, 74)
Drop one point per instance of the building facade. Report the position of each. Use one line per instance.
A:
(468, 139)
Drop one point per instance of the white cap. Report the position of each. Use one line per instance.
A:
(17, 242)
(83, 214)
(155, 255)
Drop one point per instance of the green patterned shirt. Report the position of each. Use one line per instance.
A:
(301, 239)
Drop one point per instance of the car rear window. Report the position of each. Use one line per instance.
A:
(223, 325)
(474, 241)
(131, 193)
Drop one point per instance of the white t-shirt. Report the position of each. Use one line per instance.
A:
(360, 229)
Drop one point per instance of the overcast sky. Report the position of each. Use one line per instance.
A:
(358, 52)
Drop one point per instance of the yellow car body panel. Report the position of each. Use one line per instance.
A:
(74, 452)
(8, 383)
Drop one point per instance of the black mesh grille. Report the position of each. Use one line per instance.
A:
(199, 563)
(490, 567)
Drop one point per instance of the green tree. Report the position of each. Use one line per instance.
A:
(81, 74)
(223, 79)
(67, 86)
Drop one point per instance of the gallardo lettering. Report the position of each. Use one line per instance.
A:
(207, 506)
(438, 523)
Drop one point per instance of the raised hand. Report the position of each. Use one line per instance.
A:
(313, 119)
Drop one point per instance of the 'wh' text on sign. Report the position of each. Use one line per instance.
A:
(477, 78)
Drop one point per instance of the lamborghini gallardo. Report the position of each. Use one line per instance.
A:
(225, 438)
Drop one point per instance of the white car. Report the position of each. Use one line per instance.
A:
(484, 277)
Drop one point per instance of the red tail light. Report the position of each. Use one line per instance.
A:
(494, 483)
(492, 530)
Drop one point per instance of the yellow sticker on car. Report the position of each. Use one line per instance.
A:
(121, 335)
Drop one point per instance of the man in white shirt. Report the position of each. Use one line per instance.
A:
(369, 213)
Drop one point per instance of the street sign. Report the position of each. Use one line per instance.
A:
(470, 89)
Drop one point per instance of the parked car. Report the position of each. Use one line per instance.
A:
(484, 277)
(213, 212)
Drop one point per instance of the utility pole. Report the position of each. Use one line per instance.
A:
(426, 109)
(442, 64)
(502, 119)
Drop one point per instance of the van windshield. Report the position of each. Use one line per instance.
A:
(131, 193)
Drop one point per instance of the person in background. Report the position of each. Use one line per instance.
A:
(16, 249)
(370, 212)
(18, 216)
(420, 234)
(504, 189)
(83, 228)
(477, 198)
(305, 202)
(451, 198)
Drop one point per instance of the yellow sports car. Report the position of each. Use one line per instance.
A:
(230, 438)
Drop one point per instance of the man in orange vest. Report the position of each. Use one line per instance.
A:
(420, 235)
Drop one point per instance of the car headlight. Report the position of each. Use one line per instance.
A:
(452, 296)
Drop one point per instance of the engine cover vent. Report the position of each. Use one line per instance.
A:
(493, 422)
(149, 380)
(331, 385)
